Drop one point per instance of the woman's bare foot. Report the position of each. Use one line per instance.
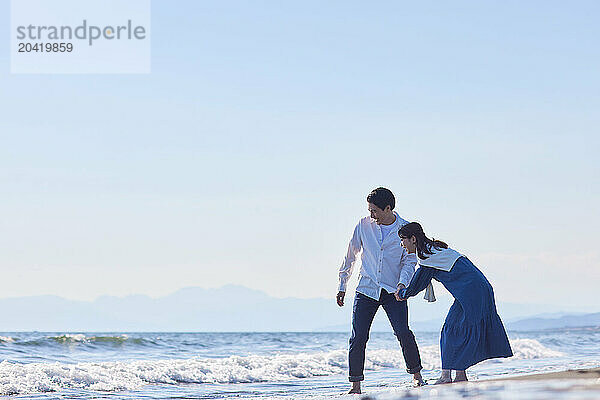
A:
(355, 388)
(461, 376)
(445, 378)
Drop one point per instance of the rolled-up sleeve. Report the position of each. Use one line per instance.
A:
(408, 264)
(354, 247)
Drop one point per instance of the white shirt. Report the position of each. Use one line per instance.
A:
(384, 265)
(385, 230)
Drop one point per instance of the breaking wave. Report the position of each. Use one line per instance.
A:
(18, 378)
(77, 338)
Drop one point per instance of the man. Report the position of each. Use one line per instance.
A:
(386, 268)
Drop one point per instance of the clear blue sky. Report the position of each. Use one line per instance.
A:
(246, 155)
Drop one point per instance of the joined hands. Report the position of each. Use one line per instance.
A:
(399, 293)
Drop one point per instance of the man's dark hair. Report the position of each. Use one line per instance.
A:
(382, 197)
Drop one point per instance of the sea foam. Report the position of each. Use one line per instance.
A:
(532, 349)
(116, 376)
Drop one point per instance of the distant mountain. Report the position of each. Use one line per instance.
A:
(228, 309)
(566, 321)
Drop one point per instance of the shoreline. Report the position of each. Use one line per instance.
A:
(584, 373)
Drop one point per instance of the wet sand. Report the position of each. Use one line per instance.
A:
(589, 373)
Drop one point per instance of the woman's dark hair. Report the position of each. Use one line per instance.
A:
(424, 244)
(382, 197)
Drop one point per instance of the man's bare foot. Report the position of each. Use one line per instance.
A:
(355, 388)
(418, 380)
(419, 383)
(461, 376)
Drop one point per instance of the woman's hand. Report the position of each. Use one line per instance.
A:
(397, 293)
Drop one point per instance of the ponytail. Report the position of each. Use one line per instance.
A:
(424, 244)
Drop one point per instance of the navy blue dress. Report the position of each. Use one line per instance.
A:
(473, 331)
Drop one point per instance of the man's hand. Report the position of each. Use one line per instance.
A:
(397, 293)
(340, 298)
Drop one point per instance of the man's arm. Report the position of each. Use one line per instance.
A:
(408, 262)
(348, 264)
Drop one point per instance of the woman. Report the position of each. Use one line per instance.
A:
(473, 331)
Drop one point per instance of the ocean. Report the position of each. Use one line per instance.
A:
(117, 365)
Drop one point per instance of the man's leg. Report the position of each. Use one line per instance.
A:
(363, 312)
(397, 312)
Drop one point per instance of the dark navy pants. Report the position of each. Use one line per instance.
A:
(363, 313)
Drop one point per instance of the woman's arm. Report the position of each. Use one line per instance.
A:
(419, 281)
